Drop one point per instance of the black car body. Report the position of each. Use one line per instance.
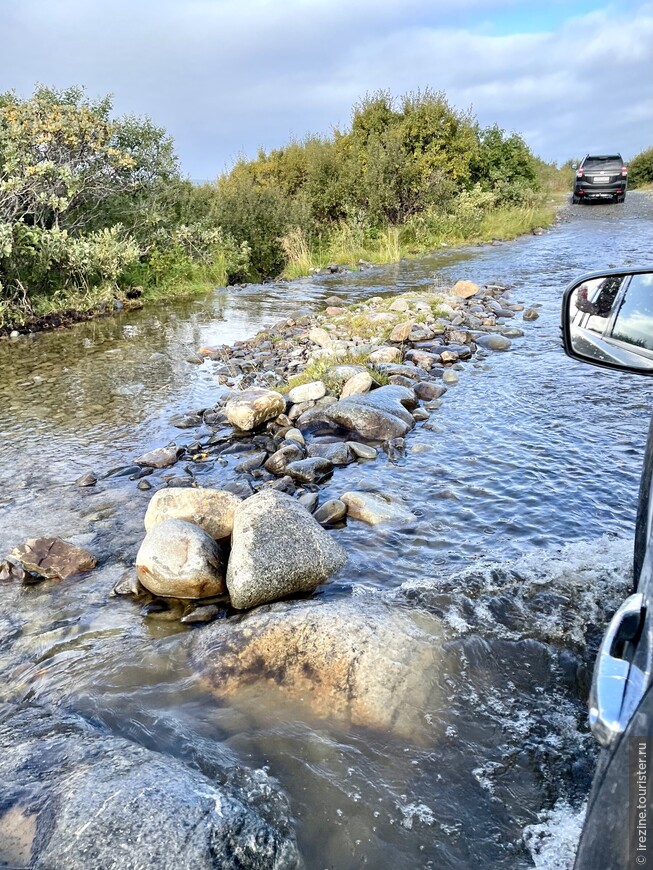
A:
(618, 830)
(601, 176)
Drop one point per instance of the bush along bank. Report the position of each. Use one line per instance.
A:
(95, 212)
(300, 400)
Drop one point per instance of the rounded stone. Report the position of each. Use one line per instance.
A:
(362, 451)
(332, 511)
(450, 377)
(377, 507)
(359, 383)
(493, 341)
(210, 509)
(310, 392)
(180, 560)
(278, 549)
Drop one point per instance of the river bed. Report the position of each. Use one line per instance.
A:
(525, 484)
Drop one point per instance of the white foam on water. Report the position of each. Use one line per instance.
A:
(553, 841)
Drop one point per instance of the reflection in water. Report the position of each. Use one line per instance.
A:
(498, 477)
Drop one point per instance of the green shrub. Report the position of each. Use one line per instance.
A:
(640, 168)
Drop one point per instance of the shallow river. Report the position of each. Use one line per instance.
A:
(524, 482)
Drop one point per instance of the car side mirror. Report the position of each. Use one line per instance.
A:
(607, 320)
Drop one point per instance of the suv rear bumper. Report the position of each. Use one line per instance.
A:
(600, 191)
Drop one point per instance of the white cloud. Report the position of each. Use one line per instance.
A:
(229, 75)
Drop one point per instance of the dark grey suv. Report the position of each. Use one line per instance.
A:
(601, 176)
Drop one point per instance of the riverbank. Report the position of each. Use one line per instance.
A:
(343, 250)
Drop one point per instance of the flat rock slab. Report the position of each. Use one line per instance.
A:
(53, 558)
(277, 549)
(162, 457)
(210, 509)
(353, 660)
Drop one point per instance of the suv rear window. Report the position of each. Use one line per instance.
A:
(609, 162)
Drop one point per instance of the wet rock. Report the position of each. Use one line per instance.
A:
(377, 507)
(291, 452)
(401, 331)
(210, 509)
(385, 354)
(252, 462)
(493, 341)
(350, 660)
(337, 452)
(127, 585)
(530, 314)
(332, 511)
(362, 451)
(307, 392)
(294, 435)
(180, 481)
(53, 558)
(202, 614)
(379, 415)
(412, 372)
(251, 408)
(88, 479)
(84, 799)
(162, 457)
(180, 560)
(284, 484)
(144, 485)
(185, 421)
(420, 415)
(241, 488)
(321, 337)
(465, 289)
(334, 301)
(427, 390)
(359, 383)
(450, 378)
(278, 549)
(310, 501)
(310, 470)
(423, 359)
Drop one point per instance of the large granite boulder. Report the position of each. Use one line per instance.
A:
(53, 558)
(252, 408)
(277, 549)
(354, 660)
(210, 509)
(180, 560)
(75, 797)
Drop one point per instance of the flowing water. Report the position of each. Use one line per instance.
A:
(525, 485)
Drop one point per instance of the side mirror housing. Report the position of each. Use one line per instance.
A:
(607, 320)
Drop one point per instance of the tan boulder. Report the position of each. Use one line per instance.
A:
(359, 383)
(251, 408)
(351, 660)
(377, 507)
(210, 509)
(465, 289)
(401, 331)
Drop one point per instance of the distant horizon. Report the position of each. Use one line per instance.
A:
(227, 78)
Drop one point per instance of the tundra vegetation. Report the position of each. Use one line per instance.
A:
(94, 208)
(640, 169)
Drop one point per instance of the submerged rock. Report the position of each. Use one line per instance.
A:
(251, 408)
(80, 798)
(377, 507)
(210, 509)
(180, 560)
(351, 660)
(493, 341)
(277, 549)
(53, 558)
(162, 457)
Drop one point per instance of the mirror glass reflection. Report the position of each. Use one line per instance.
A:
(611, 320)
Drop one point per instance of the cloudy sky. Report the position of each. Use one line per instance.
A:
(229, 76)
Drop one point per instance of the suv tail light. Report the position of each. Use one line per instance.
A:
(624, 170)
(579, 173)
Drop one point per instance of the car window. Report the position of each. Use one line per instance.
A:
(612, 162)
(634, 322)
